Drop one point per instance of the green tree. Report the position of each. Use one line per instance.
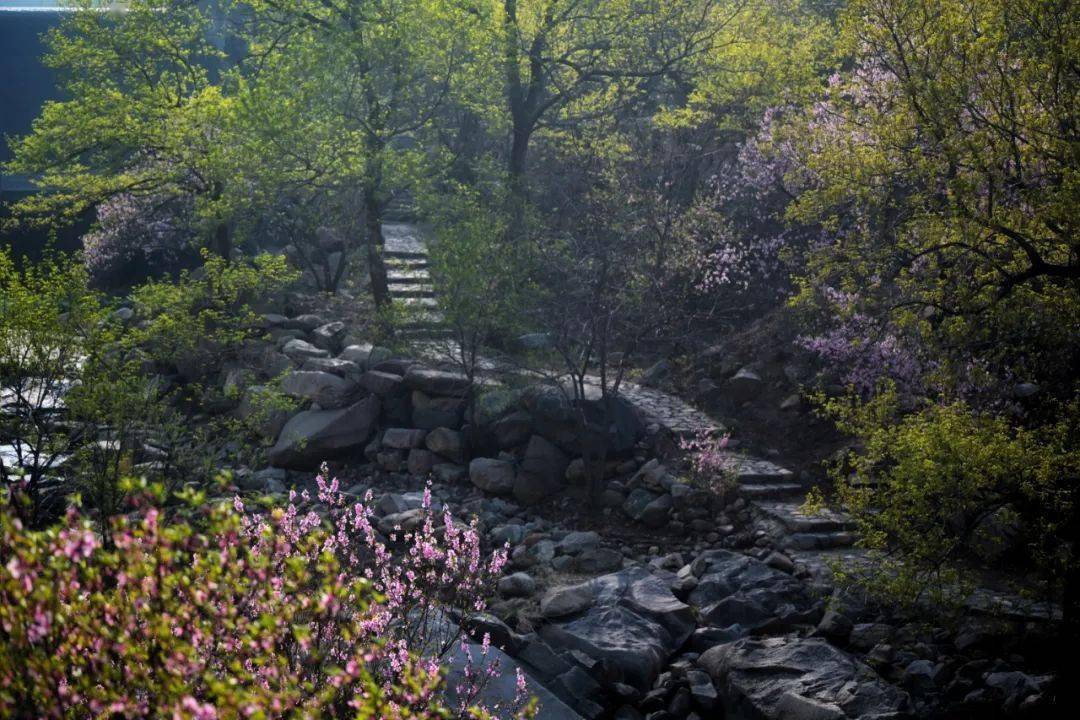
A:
(566, 61)
(345, 88)
(142, 114)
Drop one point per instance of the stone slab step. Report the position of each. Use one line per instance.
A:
(819, 540)
(751, 470)
(771, 491)
(408, 277)
(418, 302)
(405, 255)
(411, 291)
(790, 517)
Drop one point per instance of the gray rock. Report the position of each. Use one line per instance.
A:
(503, 534)
(328, 336)
(420, 462)
(787, 677)
(542, 471)
(259, 410)
(578, 542)
(437, 382)
(657, 513)
(744, 385)
(341, 368)
(313, 436)
(518, 584)
(744, 594)
(307, 323)
(430, 413)
(263, 480)
(655, 374)
(598, 560)
(637, 501)
(329, 391)
(403, 438)
(357, 354)
(382, 383)
(448, 472)
(446, 443)
(512, 430)
(299, 350)
(628, 620)
(1026, 390)
(491, 475)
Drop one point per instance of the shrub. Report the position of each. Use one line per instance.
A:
(195, 322)
(712, 465)
(51, 325)
(137, 236)
(225, 614)
(938, 492)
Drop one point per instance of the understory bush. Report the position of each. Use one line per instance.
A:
(944, 493)
(194, 322)
(225, 613)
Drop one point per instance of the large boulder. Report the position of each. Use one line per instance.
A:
(789, 677)
(299, 350)
(742, 594)
(329, 391)
(433, 412)
(542, 472)
(628, 620)
(328, 336)
(446, 443)
(611, 420)
(491, 475)
(437, 382)
(313, 436)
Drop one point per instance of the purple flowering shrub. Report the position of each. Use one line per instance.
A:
(863, 352)
(138, 236)
(712, 465)
(229, 614)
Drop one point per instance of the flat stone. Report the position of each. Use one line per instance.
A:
(300, 350)
(313, 436)
(491, 475)
(437, 382)
(780, 678)
(403, 438)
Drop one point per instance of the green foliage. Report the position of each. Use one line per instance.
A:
(942, 172)
(937, 492)
(140, 113)
(483, 282)
(51, 327)
(196, 321)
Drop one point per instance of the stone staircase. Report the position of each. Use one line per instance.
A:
(409, 280)
(776, 498)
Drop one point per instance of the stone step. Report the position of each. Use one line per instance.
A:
(414, 291)
(751, 470)
(406, 255)
(418, 302)
(408, 277)
(819, 540)
(790, 517)
(771, 491)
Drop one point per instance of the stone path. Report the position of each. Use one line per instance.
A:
(411, 287)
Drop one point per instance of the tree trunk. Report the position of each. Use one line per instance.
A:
(223, 240)
(519, 151)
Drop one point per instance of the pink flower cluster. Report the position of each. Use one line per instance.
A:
(215, 611)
